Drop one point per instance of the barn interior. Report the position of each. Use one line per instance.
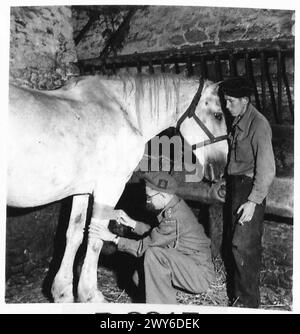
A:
(49, 45)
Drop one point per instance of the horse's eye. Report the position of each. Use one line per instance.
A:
(218, 116)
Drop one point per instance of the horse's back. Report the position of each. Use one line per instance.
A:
(48, 145)
(58, 140)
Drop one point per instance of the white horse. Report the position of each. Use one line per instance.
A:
(87, 138)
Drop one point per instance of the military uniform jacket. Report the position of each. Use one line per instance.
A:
(178, 229)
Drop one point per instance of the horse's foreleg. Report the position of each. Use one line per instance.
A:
(87, 286)
(62, 288)
(102, 213)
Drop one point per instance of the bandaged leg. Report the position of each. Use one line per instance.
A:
(102, 213)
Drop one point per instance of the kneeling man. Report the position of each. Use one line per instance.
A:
(177, 252)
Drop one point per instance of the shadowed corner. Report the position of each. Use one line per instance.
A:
(59, 245)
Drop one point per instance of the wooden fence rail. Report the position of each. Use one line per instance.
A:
(217, 63)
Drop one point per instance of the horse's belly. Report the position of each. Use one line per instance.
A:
(42, 173)
(34, 184)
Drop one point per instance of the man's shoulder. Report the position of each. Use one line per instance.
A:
(169, 219)
(169, 214)
(181, 210)
(259, 121)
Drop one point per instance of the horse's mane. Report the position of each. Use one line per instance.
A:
(140, 84)
(158, 91)
(140, 78)
(73, 81)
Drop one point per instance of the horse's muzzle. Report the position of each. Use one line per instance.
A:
(214, 170)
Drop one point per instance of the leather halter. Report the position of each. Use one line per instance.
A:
(191, 112)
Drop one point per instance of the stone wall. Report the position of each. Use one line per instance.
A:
(157, 28)
(161, 28)
(41, 46)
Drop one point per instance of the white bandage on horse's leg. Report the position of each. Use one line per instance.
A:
(103, 211)
(101, 215)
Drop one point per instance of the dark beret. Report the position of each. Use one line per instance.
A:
(237, 87)
(161, 181)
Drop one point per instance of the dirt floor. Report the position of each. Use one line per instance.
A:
(32, 288)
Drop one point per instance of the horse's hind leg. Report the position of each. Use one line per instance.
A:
(62, 288)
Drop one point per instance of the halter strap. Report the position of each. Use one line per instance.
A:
(192, 107)
(191, 112)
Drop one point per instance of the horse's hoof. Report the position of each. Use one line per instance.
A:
(62, 294)
(93, 297)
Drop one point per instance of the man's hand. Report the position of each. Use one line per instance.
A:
(217, 191)
(247, 210)
(124, 219)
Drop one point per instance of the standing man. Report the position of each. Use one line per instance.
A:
(176, 252)
(251, 170)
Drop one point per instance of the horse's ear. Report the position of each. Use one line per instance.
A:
(203, 83)
(217, 84)
(214, 86)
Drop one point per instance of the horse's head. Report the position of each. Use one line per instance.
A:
(204, 127)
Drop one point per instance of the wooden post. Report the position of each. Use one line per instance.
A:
(279, 86)
(249, 72)
(203, 68)
(263, 80)
(162, 66)
(232, 65)
(151, 68)
(189, 66)
(218, 68)
(139, 67)
(271, 90)
(287, 88)
(114, 69)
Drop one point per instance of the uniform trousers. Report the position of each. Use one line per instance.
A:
(166, 270)
(243, 245)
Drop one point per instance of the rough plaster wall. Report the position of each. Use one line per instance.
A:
(159, 28)
(41, 46)
(94, 40)
(165, 27)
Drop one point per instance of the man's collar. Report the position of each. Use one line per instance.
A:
(242, 121)
(171, 204)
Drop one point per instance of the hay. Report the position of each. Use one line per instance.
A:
(28, 289)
